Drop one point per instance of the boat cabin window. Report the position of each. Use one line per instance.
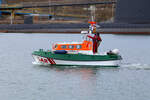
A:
(78, 46)
(63, 46)
(71, 46)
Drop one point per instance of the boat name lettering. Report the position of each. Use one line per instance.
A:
(44, 60)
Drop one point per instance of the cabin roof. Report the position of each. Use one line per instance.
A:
(70, 43)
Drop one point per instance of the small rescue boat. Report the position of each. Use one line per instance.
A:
(83, 53)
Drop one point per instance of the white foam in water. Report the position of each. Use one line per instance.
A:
(135, 66)
(36, 63)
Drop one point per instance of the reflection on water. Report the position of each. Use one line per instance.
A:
(20, 80)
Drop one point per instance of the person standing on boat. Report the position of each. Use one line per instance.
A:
(96, 41)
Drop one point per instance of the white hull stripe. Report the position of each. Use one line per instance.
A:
(92, 63)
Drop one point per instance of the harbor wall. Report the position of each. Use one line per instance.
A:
(132, 11)
(107, 28)
(0, 6)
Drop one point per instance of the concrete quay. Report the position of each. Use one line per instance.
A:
(105, 28)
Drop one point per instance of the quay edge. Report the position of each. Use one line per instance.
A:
(105, 28)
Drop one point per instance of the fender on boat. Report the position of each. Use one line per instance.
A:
(60, 52)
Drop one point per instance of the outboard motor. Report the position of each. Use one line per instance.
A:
(113, 52)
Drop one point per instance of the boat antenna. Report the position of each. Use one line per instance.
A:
(93, 26)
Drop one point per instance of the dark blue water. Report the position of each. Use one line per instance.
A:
(20, 80)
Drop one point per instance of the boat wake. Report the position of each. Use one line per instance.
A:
(136, 66)
(36, 63)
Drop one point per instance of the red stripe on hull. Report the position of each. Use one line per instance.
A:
(51, 61)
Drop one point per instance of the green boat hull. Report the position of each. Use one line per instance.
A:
(48, 57)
